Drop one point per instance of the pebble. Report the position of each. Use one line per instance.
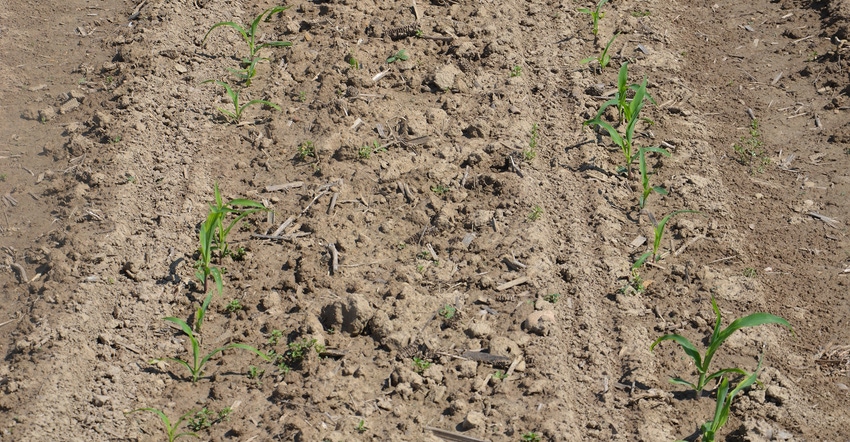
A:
(539, 322)
(473, 419)
(69, 106)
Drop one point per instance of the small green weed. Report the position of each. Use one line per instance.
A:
(198, 362)
(306, 149)
(420, 365)
(352, 62)
(717, 338)
(636, 284)
(447, 312)
(236, 113)
(638, 14)
(440, 189)
(644, 175)
(530, 153)
(516, 71)
(2, 177)
(205, 418)
(233, 306)
(302, 96)
(595, 15)
(255, 373)
(274, 337)
(658, 230)
(365, 151)
(552, 297)
(500, 375)
(536, 213)
(401, 55)
(249, 34)
(750, 272)
(603, 58)
(750, 150)
(530, 437)
(170, 430)
(361, 426)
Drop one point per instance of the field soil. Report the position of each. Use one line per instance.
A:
(447, 249)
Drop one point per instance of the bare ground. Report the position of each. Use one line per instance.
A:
(424, 183)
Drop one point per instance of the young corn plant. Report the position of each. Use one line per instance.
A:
(644, 175)
(658, 228)
(724, 405)
(213, 236)
(603, 57)
(170, 430)
(595, 15)
(249, 34)
(625, 142)
(718, 336)
(236, 113)
(196, 365)
(627, 109)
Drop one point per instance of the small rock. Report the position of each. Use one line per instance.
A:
(777, 394)
(46, 114)
(479, 330)
(466, 369)
(444, 77)
(539, 322)
(473, 419)
(180, 69)
(69, 106)
(100, 400)
(502, 346)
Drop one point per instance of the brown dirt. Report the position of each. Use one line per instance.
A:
(102, 203)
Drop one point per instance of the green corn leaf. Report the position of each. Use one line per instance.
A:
(686, 345)
(659, 190)
(587, 60)
(752, 320)
(275, 44)
(611, 102)
(615, 136)
(585, 11)
(659, 229)
(641, 260)
(230, 24)
(720, 373)
(680, 381)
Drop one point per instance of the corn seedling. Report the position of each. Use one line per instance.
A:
(170, 430)
(603, 59)
(196, 367)
(644, 175)
(213, 236)
(724, 404)
(249, 34)
(625, 142)
(658, 230)
(627, 109)
(401, 55)
(420, 365)
(718, 336)
(352, 62)
(516, 71)
(205, 418)
(595, 15)
(236, 113)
